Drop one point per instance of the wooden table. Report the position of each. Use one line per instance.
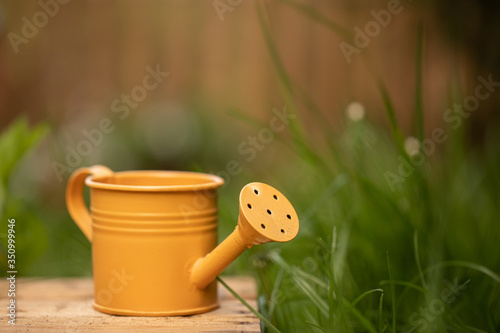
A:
(64, 305)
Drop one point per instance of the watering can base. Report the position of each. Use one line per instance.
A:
(185, 312)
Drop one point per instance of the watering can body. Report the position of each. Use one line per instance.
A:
(153, 234)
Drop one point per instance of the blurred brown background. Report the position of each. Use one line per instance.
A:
(92, 51)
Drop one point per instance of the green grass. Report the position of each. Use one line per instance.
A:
(369, 258)
(392, 252)
(440, 226)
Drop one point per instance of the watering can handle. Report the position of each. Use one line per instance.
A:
(74, 197)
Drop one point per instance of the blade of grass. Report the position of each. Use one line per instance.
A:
(302, 284)
(407, 284)
(380, 305)
(311, 293)
(333, 284)
(281, 263)
(319, 283)
(460, 325)
(393, 294)
(491, 301)
(273, 52)
(418, 108)
(322, 285)
(319, 17)
(382, 197)
(262, 309)
(474, 329)
(275, 257)
(320, 119)
(245, 117)
(302, 148)
(364, 322)
(480, 268)
(297, 132)
(346, 34)
(363, 295)
(248, 306)
(274, 293)
(332, 295)
(419, 115)
(393, 123)
(417, 258)
(318, 327)
(336, 185)
(308, 315)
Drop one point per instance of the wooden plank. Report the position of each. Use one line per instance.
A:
(65, 305)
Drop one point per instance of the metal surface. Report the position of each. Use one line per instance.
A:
(152, 234)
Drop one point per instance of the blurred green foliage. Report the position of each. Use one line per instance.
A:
(15, 143)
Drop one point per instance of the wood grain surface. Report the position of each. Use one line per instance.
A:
(65, 305)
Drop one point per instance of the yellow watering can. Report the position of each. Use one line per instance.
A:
(154, 236)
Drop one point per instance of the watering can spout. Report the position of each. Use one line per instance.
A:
(265, 216)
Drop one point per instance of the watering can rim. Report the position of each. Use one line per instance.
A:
(207, 181)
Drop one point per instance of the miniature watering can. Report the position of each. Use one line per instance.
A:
(154, 236)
